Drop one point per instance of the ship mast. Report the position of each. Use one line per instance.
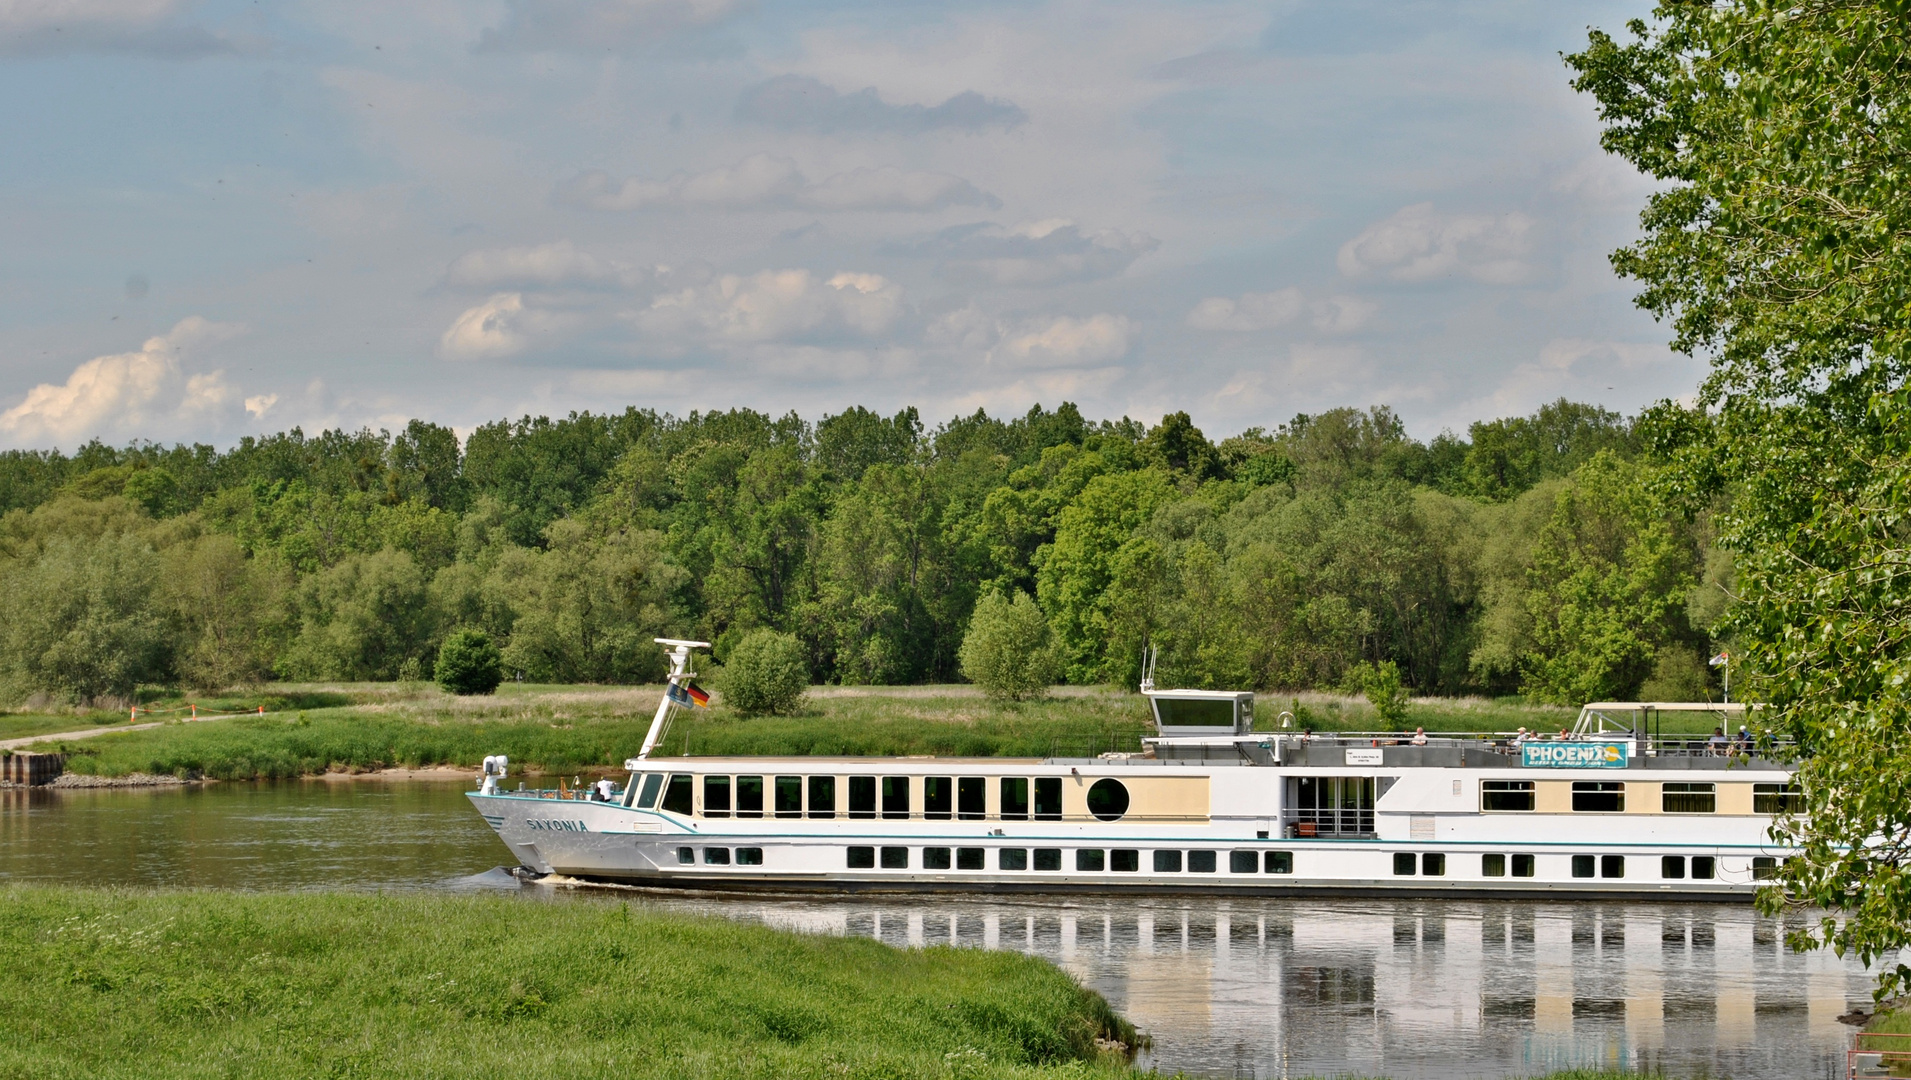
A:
(680, 673)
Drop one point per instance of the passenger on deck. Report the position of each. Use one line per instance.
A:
(1744, 739)
(1419, 736)
(1718, 743)
(1520, 738)
(603, 790)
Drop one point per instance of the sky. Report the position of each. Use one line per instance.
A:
(229, 217)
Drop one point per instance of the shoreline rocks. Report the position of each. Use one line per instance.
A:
(78, 780)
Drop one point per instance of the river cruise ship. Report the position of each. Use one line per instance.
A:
(1209, 805)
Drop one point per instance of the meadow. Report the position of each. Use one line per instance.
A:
(309, 729)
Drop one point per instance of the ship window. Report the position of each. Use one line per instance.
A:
(1492, 866)
(1195, 712)
(716, 856)
(938, 797)
(1013, 858)
(862, 796)
(789, 796)
(749, 796)
(1764, 867)
(749, 856)
(1689, 799)
(1404, 863)
(972, 798)
(822, 796)
(1201, 862)
(1088, 859)
(1522, 866)
(653, 783)
(1506, 796)
(1014, 798)
(1167, 862)
(1126, 860)
(1048, 858)
(1333, 805)
(969, 858)
(686, 856)
(1243, 862)
(1279, 862)
(1108, 799)
(1582, 866)
(716, 796)
(677, 793)
(1612, 866)
(1703, 867)
(1433, 864)
(1598, 797)
(1777, 799)
(895, 858)
(862, 858)
(1672, 866)
(935, 858)
(895, 796)
(1048, 798)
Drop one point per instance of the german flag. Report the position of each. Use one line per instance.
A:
(697, 694)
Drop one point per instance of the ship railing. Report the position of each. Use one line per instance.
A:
(1877, 1055)
(1696, 746)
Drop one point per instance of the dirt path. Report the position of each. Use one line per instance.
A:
(15, 744)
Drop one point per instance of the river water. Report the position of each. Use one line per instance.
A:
(1448, 990)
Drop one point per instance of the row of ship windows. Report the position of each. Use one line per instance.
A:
(944, 798)
(1128, 860)
(1609, 797)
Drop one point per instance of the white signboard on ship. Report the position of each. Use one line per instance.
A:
(1576, 755)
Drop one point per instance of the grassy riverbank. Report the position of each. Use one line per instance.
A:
(107, 984)
(574, 729)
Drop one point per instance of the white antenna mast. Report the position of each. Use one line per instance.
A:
(680, 673)
(1149, 654)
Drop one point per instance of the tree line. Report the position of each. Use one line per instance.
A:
(1532, 556)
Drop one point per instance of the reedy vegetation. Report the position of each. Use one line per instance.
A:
(1531, 556)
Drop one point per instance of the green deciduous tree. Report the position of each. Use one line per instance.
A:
(1009, 650)
(767, 672)
(1779, 244)
(85, 623)
(361, 619)
(468, 663)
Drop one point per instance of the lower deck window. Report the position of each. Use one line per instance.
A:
(716, 856)
(862, 858)
(1048, 858)
(1495, 865)
(1167, 862)
(1013, 858)
(1088, 859)
(1523, 866)
(1672, 867)
(1704, 868)
(895, 858)
(1433, 864)
(686, 856)
(935, 858)
(1612, 866)
(1764, 867)
(749, 856)
(1201, 862)
(1280, 862)
(1404, 863)
(1126, 860)
(1244, 862)
(969, 858)
(1582, 866)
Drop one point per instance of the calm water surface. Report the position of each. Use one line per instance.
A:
(1260, 988)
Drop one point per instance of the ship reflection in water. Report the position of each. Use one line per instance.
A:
(1401, 988)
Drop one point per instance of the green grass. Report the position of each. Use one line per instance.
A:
(557, 729)
(140, 984)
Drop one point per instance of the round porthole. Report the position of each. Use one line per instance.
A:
(1108, 798)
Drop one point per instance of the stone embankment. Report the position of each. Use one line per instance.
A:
(80, 780)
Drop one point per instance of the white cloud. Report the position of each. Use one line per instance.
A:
(65, 26)
(1067, 342)
(125, 391)
(764, 181)
(596, 25)
(487, 331)
(1418, 243)
(544, 266)
(1037, 253)
(775, 305)
(803, 103)
(1251, 311)
(260, 404)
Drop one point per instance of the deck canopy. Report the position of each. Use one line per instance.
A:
(1641, 717)
(1196, 713)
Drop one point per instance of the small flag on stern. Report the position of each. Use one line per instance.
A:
(688, 694)
(1721, 658)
